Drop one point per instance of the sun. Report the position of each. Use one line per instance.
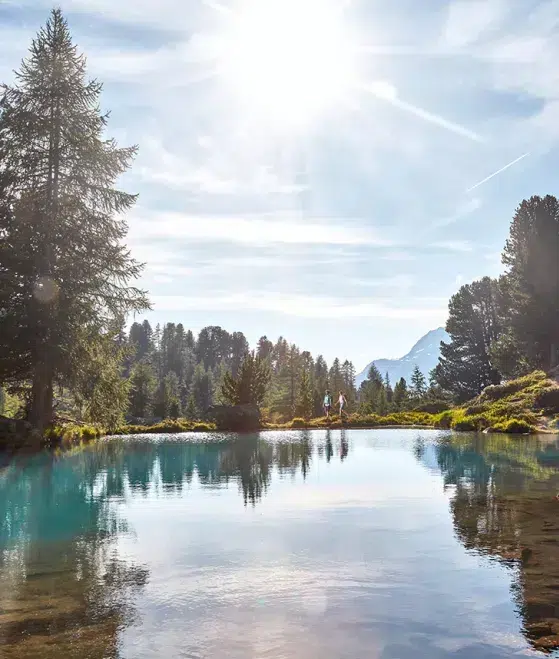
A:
(288, 60)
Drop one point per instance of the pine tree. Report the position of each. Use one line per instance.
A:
(418, 384)
(142, 390)
(531, 256)
(465, 365)
(305, 397)
(250, 385)
(202, 389)
(64, 267)
(389, 390)
(401, 394)
(191, 411)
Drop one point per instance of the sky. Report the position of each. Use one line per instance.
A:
(330, 171)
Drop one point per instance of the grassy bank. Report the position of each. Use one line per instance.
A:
(527, 405)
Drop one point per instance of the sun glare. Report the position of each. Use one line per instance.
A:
(289, 59)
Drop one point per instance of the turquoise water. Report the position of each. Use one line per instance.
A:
(388, 544)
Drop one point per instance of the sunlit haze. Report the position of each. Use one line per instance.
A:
(326, 170)
(288, 59)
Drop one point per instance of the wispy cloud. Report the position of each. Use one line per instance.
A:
(463, 211)
(468, 20)
(299, 305)
(499, 171)
(256, 230)
(453, 245)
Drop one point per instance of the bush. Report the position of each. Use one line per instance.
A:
(298, 422)
(444, 420)
(548, 399)
(470, 423)
(498, 391)
(514, 426)
(203, 427)
(433, 407)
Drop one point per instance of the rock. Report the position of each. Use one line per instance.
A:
(236, 418)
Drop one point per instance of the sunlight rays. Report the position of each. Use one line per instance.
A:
(289, 59)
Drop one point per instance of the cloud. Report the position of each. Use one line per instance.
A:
(252, 230)
(453, 245)
(468, 20)
(464, 210)
(302, 306)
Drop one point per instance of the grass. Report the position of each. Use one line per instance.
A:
(71, 433)
(168, 426)
(521, 406)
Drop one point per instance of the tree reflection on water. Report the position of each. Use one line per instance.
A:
(64, 590)
(504, 506)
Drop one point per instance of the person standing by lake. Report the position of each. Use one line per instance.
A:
(342, 402)
(327, 404)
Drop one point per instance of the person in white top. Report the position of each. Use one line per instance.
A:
(342, 402)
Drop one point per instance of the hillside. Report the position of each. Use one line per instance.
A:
(425, 353)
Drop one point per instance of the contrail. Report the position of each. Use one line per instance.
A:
(387, 92)
(487, 178)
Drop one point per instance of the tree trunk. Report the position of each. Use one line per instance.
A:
(41, 409)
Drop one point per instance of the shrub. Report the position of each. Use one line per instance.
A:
(547, 399)
(498, 391)
(298, 422)
(204, 427)
(470, 423)
(433, 407)
(513, 426)
(476, 408)
(444, 420)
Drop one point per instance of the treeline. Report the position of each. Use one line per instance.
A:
(507, 327)
(173, 373)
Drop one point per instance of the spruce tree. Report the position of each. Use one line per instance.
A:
(66, 272)
(531, 256)
(305, 398)
(142, 390)
(465, 365)
(418, 384)
(251, 383)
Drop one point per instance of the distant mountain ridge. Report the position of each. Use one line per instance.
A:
(425, 353)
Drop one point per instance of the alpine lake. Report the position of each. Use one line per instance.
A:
(361, 544)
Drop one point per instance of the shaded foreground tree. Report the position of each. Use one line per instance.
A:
(531, 256)
(465, 366)
(64, 271)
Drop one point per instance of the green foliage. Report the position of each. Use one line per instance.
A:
(142, 389)
(249, 387)
(100, 391)
(530, 256)
(71, 434)
(168, 426)
(418, 384)
(500, 391)
(513, 426)
(465, 366)
(305, 397)
(64, 268)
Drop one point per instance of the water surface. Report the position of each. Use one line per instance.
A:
(386, 544)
